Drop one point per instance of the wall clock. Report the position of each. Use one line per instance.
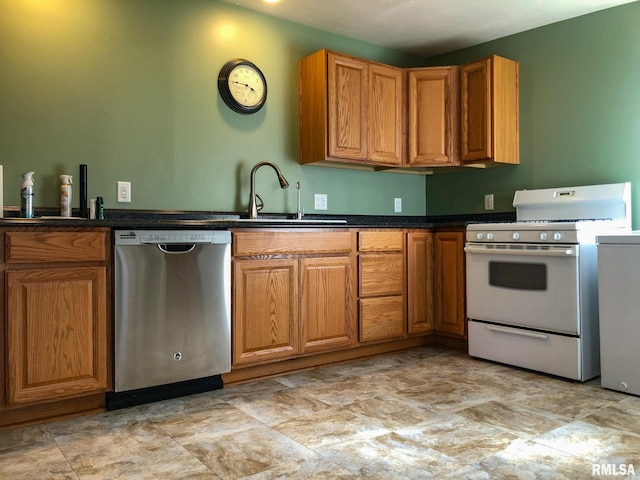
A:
(242, 86)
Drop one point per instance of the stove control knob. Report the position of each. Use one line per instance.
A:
(516, 236)
(489, 236)
(543, 236)
(479, 236)
(557, 236)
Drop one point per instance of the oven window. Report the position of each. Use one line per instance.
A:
(521, 276)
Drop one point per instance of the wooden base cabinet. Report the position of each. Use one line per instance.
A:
(420, 294)
(301, 304)
(381, 285)
(265, 303)
(449, 283)
(57, 314)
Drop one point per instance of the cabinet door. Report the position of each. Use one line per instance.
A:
(327, 317)
(449, 284)
(386, 115)
(56, 333)
(433, 116)
(476, 110)
(420, 282)
(265, 317)
(489, 112)
(347, 98)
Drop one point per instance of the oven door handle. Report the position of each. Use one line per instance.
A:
(551, 252)
(522, 333)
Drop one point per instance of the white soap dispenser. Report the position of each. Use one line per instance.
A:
(65, 195)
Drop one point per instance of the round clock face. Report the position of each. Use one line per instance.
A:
(242, 86)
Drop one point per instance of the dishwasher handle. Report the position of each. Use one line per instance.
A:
(176, 248)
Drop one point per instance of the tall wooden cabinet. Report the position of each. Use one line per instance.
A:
(351, 111)
(293, 294)
(57, 315)
(489, 112)
(434, 116)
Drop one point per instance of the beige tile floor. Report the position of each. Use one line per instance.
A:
(427, 413)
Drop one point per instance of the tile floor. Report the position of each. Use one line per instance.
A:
(426, 413)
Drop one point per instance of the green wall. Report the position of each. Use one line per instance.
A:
(129, 88)
(579, 112)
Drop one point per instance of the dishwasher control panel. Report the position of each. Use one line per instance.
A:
(158, 237)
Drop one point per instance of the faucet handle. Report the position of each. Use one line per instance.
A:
(259, 203)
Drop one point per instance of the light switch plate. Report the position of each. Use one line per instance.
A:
(488, 201)
(397, 205)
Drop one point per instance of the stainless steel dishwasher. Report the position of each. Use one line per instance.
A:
(172, 314)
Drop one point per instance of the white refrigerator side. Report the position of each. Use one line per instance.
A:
(619, 304)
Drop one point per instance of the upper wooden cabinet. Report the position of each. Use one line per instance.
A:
(489, 112)
(351, 111)
(434, 116)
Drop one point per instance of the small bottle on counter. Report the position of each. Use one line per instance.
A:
(26, 195)
(92, 209)
(65, 195)
(99, 208)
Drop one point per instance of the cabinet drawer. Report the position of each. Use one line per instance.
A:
(381, 318)
(32, 247)
(381, 241)
(290, 243)
(381, 274)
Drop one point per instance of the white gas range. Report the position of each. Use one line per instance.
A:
(532, 298)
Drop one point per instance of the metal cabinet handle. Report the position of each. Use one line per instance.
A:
(522, 333)
(176, 248)
(558, 252)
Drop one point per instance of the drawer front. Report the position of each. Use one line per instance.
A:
(381, 274)
(39, 247)
(387, 241)
(543, 352)
(290, 243)
(381, 318)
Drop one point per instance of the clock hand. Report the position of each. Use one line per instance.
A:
(245, 84)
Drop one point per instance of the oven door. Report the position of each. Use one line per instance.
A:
(527, 285)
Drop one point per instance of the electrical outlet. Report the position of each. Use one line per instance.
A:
(397, 205)
(124, 192)
(488, 201)
(320, 201)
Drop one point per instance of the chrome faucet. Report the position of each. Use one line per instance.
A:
(253, 207)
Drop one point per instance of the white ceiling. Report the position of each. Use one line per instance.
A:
(427, 27)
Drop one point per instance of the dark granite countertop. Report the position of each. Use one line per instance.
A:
(162, 219)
